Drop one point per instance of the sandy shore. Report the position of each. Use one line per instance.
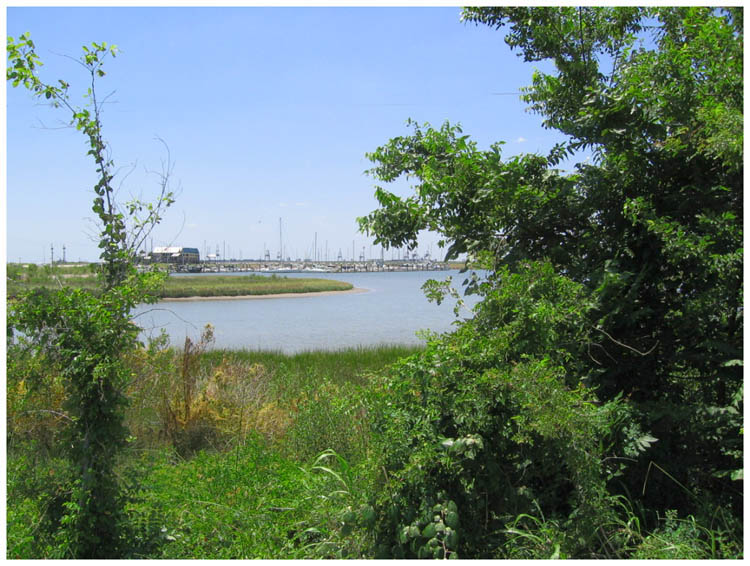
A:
(273, 296)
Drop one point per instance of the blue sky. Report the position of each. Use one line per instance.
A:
(267, 113)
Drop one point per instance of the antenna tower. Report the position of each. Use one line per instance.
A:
(280, 246)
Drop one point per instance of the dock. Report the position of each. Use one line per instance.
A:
(302, 266)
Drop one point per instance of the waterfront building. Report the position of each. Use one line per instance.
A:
(173, 254)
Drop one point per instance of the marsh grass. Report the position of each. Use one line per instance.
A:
(293, 373)
(197, 398)
(252, 503)
(232, 286)
(265, 455)
(221, 457)
(304, 403)
(22, 278)
(259, 493)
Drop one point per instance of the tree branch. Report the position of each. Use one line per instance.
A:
(625, 345)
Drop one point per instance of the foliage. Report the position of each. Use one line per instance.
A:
(81, 335)
(255, 494)
(677, 538)
(650, 228)
(259, 490)
(490, 422)
(247, 504)
(592, 407)
(38, 489)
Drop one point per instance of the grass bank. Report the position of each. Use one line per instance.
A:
(233, 286)
(245, 454)
(225, 454)
(30, 276)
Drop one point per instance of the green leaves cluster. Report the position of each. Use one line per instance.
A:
(645, 242)
(491, 421)
(82, 334)
(122, 231)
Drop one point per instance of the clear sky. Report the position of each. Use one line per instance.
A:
(267, 112)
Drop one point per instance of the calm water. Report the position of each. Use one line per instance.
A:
(391, 311)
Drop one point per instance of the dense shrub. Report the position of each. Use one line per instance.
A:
(492, 422)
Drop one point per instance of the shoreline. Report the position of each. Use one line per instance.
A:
(354, 290)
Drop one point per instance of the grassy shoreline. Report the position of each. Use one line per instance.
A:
(240, 454)
(24, 278)
(226, 441)
(246, 285)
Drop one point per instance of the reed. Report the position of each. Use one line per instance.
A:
(27, 277)
(233, 286)
(298, 371)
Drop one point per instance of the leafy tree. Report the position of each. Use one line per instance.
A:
(651, 228)
(491, 423)
(83, 335)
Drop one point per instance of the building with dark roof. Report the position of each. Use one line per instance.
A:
(173, 255)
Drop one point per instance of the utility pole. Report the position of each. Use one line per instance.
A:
(63, 253)
(51, 254)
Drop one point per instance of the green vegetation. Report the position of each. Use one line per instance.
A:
(24, 278)
(608, 342)
(81, 336)
(231, 286)
(242, 454)
(223, 455)
(591, 408)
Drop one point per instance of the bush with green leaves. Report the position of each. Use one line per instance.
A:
(83, 335)
(651, 226)
(494, 421)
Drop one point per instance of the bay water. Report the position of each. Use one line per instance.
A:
(392, 310)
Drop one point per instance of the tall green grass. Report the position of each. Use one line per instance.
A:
(301, 371)
(248, 454)
(23, 278)
(231, 286)
(234, 476)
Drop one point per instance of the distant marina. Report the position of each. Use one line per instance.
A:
(178, 259)
(300, 266)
